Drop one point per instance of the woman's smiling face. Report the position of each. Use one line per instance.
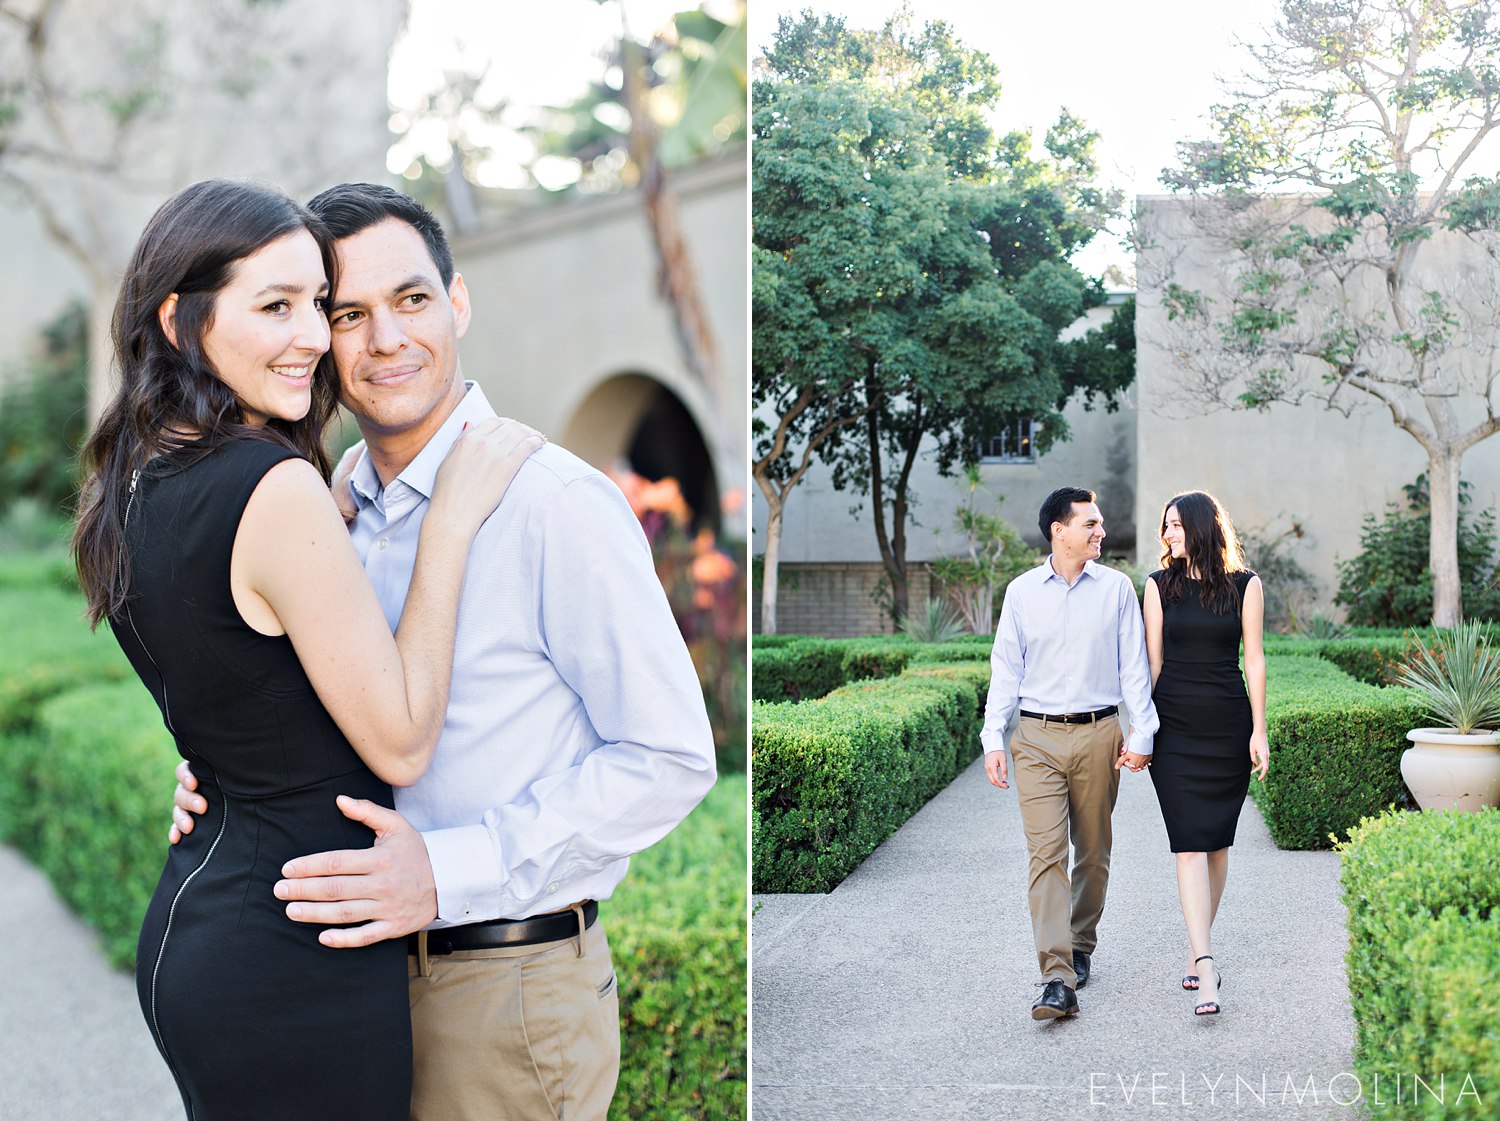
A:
(269, 328)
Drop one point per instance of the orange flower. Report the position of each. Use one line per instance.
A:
(713, 567)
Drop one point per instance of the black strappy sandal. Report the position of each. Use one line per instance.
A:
(1207, 1007)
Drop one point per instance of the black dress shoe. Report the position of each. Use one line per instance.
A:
(1056, 1000)
(1081, 963)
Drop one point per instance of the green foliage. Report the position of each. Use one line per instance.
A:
(694, 76)
(910, 275)
(48, 647)
(1458, 679)
(43, 414)
(936, 622)
(1423, 892)
(677, 927)
(30, 526)
(1370, 660)
(837, 776)
(802, 668)
(36, 570)
(1336, 751)
(1390, 582)
(797, 669)
(1321, 626)
(94, 782)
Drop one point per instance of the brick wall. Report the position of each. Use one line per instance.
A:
(835, 600)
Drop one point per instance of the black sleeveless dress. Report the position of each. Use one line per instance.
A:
(256, 1019)
(1201, 769)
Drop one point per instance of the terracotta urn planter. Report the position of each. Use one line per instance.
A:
(1447, 770)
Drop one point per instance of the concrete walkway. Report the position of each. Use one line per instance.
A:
(905, 993)
(73, 1043)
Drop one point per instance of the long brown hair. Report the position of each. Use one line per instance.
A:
(170, 400)
(1211, 546)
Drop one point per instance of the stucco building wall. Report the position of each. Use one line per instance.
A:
(571, 335)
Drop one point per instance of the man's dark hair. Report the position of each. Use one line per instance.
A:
(1058, 507)
(352, 208)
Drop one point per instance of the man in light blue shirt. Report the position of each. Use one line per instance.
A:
(575, 733)
(1069, 651)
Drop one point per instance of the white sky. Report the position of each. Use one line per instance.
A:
(541, 53)
(1142, 74)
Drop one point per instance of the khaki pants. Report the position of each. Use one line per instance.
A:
(523, 1033)
(1066, 783)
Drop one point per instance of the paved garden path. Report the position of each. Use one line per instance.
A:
(73, 1044)
(905, 992)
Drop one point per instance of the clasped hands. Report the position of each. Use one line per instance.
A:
(998, 772)
(1132, 761)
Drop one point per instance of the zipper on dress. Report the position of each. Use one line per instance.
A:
(223, 820)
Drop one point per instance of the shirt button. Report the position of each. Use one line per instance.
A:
(468, 910)
(552, 887)
(383, 543)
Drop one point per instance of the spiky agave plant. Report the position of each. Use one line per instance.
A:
(1459, 679)
(935, 623)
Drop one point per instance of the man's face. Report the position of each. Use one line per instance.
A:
(395, 331)
(1082, 537)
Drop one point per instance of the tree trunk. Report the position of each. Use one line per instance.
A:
(1447, 591)
(771, 563)
(896, 565)
(102, 378)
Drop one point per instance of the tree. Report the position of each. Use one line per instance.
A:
(1333, 176)
(910, 276)
(42, 412)
(104, 113)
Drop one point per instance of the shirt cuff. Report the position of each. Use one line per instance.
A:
(466, 870)
(1141, 743)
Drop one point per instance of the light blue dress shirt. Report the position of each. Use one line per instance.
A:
(1061, 649)
(576, 732)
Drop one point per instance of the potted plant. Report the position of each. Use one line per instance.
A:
(1456, 766)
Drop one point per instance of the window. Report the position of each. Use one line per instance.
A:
(1011, 445)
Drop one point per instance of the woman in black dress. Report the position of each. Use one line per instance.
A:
(1198, 607)
(208, 538)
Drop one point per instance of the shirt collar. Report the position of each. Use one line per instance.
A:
(1090, 569)
(421, 473)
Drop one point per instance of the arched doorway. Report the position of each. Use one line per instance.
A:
(634, 421)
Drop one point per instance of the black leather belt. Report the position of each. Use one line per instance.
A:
(552, 927)
(1074, 717)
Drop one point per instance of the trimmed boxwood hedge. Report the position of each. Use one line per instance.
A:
(92, 801)
(835, 777)
(1366, 654)
(1335, 751)
(48, 648)
(1423, 892)
(677, 928)
(805, 668)
(794, 671)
